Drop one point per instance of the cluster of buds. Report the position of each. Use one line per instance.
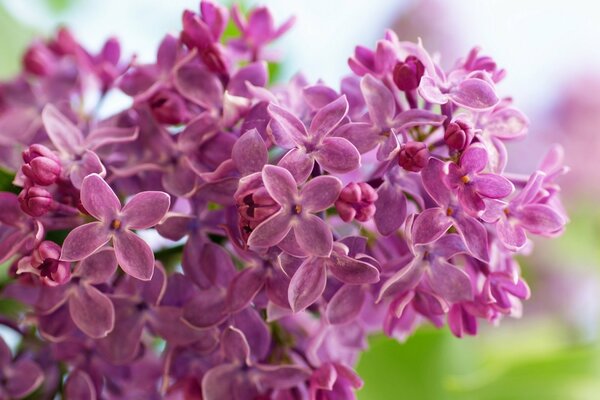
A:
(295, 219)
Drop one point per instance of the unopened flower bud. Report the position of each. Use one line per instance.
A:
(356, 201)
(36, 201)
(413, 156)
(39, 60)
(42, 166)
(408, 74)
(458, 134)
(168, 107)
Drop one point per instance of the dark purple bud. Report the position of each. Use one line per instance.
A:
(42, 166)
(35, 201)
(254, 206)
(413, 156)
(356, 201)
(39, 60)
(408, 74)
(45, 259)
(458, 134)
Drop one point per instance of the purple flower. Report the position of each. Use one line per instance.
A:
(334, 154)
(296, 216)
(143, 211)
(466, 179)
(18, 378)
(356, 201)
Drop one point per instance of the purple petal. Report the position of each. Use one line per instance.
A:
(416, 117)
(79, 385)
(65, 136)
(507, 124)
(298, 163)
(280, 184)
(109, 135)
(22, 378)
(292, 127)
(244, 287)
(92, 311)
(307, 284)
(474, 94)
(281, 376)
(98, 267)
(314, 236)
(430, 92)
(271, 231)
(199, 86)
(167, 322)
(351, 271)
(432, 176)
(380, 101)
(404, 280)
(134, 255)
(99, 199)
(475, 236)
(540, 219)
(430, 225)
(235, 346)
(362, 135)
(181, 179)
(449, 245)
(84, 241)
(346, 304)
(390, 208)
(318, 96)
(452, 283)
(145, 210)
(249, 152)
(493, 186)
(228, 381)
(122, 344)
(320, 193)
(175, 226)
(88, 164)
(255, 73)
(511, 234)
(338, 155)
(328, 118)
(207, 309)
(474, 159)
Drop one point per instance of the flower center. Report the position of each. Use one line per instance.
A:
(115, 224)
(465, 179)
(297, 209)
(449, 211)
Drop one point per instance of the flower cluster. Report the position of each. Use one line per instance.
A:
(295, 219)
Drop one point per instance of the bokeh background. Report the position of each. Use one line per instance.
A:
(550, 49)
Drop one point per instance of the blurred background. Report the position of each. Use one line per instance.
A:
(550, 49)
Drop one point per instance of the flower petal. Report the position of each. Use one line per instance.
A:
(320, 193)
(511, 234)
(84, 241)
(98, 267)
(244, 287)
(22, 378)
(433, 182)
(338, 155)
(452, 283)
(474, 94)
(280, 184)
(507, 124)
(134, 255)
(307, 284)
(430, 225)
(122, 344)
(493, 186)
(390, 208)
(430, 92)
(380, 101)
(298, 163)
(540, 219)
(88, 164)
(327, 118)
(65, 136)
(271, 231)
(475, 236)
(314, 236)
(351, 271)
(362, 135)
(99, 199)
(291, 126)
(92, 311)
(235, 346)
(345, 304)
(79, 385)
(109, 135)
(145, 210)
(249, 152)
(474, 159)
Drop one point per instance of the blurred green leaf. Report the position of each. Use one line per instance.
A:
(14, 38)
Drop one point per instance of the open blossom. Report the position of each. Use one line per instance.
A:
(144, 210)
(289, 222)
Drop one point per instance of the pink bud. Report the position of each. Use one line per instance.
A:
(356, 201)
(42, 166)
(458, 134)
(168, 107)
(413, 156)
(35, 201)
(408, 74)
(39, 60)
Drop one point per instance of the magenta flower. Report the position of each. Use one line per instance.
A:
(143, 211)
(471, 185)
(18, 378)
(296, 215)
(334, 154)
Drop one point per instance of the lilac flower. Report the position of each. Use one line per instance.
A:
(17, 230)
(471, 185)
(19, 377)
(76, 151)
(240, 378)
(296, 214)
(356, 201)
(334, 154)
(143, 211)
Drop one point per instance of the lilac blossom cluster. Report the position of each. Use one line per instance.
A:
(296, 219)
